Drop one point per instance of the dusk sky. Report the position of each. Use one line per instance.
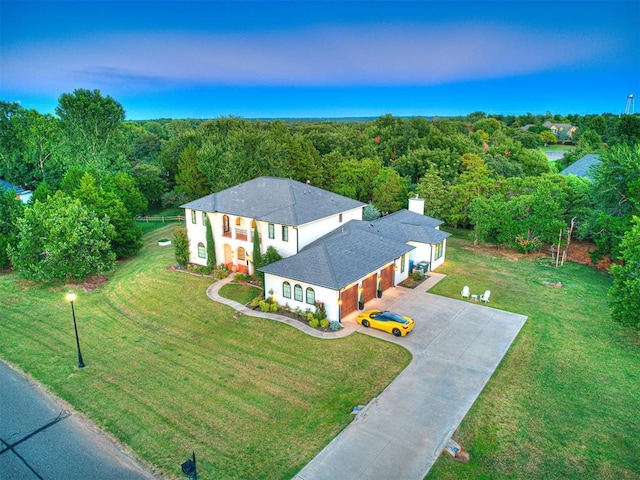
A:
(274, 59)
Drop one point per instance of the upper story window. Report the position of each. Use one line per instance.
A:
(193, 216)
(340, 217)
(286, 289)
(225, 224)
(238, 221)
(204, 218)
(285, 233)
(272, 231)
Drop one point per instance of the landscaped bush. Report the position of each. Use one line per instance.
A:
(334, 326)
(256, 301)
(313, 322)
(220, 272)
(324, 323)
(241, 277)
(201, 269)
(265, 306)
(274, 307)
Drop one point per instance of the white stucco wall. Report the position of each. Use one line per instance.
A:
(196, 233)
(310, 232)
(327, 296)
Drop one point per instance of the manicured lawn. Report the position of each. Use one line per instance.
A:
(169, 372)
(565, 401)
(240, 293)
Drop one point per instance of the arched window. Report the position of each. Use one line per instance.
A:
(286, 289)
(238, 221)
(225, 224)
(202, 253)
(311, 296)
(297, 293)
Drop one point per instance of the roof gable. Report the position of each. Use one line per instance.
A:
(275, 200)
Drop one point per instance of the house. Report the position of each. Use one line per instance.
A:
(582, 166)
(21, 194)
(330, 254)
(563, 131)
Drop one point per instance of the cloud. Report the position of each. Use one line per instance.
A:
(382, 55)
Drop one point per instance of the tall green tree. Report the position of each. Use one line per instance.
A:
(211, 246)
(92, 131)
(181, 245)
(61, 239)
(624, 294)
(11, 210)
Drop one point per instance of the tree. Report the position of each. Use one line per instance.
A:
(624, 294)
(10, 210)
(438, 198)
(149, 180)
(181, 245)
(91, 126)
(189, 178)
(61, 239)
(211, 246)
(257, 254)
(390, 193)
(370, 212)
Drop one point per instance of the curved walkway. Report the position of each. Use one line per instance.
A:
(456, 347)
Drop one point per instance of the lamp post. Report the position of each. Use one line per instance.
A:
(71, 298)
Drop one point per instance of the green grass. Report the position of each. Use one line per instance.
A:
(240, 293)
(565, 401)
(170, 372)
(557, 148)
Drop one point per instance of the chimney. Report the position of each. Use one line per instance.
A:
(416, 205)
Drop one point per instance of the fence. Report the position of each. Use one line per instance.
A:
(161, 218)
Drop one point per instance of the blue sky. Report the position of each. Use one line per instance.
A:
(273, 59)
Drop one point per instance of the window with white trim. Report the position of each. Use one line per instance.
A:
(285, 233)
(202, 253)
(311, 296)
(272, 233)
(438, 250)
(193, 216)
(297, 293)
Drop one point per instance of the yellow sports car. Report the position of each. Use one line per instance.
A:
(387, 321)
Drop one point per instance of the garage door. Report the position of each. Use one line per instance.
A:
(369, 286)
(386, 280)
(349, 301)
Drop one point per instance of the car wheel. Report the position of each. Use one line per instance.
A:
(365, 323)
(397, 332)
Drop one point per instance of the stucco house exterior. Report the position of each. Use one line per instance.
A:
(330, 254)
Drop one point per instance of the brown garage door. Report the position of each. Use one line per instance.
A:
(369, 286)
(349, 301)
(386, 280)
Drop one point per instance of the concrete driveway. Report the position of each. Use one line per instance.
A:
(456, 347)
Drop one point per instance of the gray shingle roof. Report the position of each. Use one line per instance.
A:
(358, 248)
(581, 167)
(275, 200)
(340, 257)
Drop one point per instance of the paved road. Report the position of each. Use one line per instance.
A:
(456, 347)
(40, 439)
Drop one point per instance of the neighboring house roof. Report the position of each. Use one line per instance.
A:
(358, 248)
(407, 226)
(340, 257)
(582, 166)
(275, 200)
(20, 192)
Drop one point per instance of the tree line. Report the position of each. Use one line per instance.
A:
(90, 167)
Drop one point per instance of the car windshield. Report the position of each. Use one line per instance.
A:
(390, 316)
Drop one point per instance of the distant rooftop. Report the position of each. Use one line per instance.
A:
(582, 166)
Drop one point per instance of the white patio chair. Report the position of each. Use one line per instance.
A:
(485, 296)
(465, 292)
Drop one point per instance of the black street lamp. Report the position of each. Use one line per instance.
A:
(189, 467)
(71, 297)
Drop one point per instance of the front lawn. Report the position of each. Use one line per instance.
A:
(169, 372)
(564, 402)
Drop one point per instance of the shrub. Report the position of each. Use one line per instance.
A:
(324, 323)
(298, 312)
(417, 276)
(274, 307)
(309, 316)
(201, 269)
(181, 245)
(334, 326)
(265, 306)
(313, 323)
(241, 277)
(256, 301)
(220, 272)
